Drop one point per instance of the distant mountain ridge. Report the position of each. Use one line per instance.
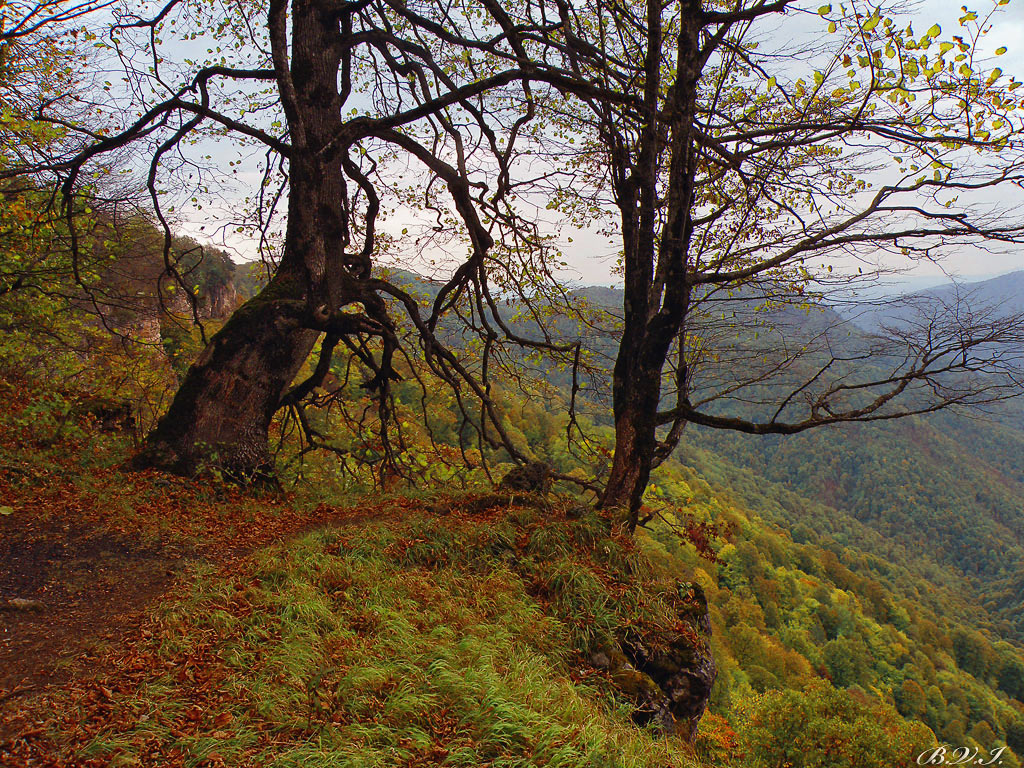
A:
(1003, 287)
(997, 297)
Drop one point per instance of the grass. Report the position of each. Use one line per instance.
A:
(428, 638)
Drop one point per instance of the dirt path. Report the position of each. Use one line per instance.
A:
(78, 584)
(85, 576)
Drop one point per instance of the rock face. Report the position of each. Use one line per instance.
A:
(221, 300)
(670, 684)
(216, 302)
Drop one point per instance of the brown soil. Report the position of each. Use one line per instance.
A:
(95, 572)
(87, 583)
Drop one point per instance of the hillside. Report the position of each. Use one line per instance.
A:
(944, 492)
(354, 619)
(945, 488)
(396, 494)
(409, 633)
(448, 629)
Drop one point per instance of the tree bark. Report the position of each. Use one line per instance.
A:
(221, 415)
(657, 288)
(635, 442)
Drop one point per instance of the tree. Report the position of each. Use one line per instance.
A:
(740, 164)
(40, 67)
(356, 84)
(726, 168)
(40, 286)
(823, 726)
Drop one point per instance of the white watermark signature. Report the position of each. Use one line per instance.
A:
(944, 754)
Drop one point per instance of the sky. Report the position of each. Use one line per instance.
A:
(591, 256)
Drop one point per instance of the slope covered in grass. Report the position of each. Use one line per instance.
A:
(329, 625)
(414, 638)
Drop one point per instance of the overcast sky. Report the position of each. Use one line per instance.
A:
(968, 264)
(592, 257)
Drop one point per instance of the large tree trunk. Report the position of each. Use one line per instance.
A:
(221, 414)
(631, 466)
(657, 290)
(636, 396)
(220, 417)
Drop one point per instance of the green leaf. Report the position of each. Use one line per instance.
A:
(871, 23)
(1000, 50)
(824, 9)
(934, 31)
(6, 511)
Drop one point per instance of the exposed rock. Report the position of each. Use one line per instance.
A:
(532, 477)
(652, 705)
(671, 684)
(221, 300)
(144, 326)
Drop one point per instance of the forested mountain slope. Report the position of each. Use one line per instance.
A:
(940, 493)
(947, 489)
